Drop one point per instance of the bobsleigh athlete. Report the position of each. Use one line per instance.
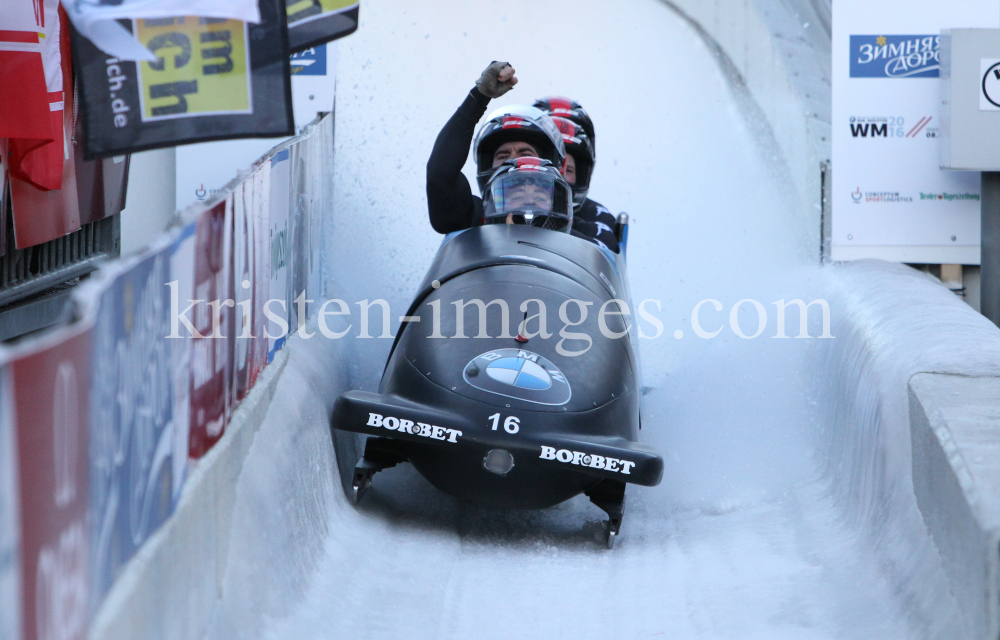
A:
(510, 133)
(528, 191)
(511, 419)
(581, 155)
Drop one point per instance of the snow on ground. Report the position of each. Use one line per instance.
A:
(742, 539)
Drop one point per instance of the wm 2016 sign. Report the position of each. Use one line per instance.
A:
(896, 56)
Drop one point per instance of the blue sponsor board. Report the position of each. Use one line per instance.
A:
(133, 435)
(280, 257)
(896, 56)
(311, 62)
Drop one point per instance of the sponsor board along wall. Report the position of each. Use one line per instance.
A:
(889, 198)
(101, 419)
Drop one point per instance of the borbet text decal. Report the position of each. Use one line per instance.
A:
(423, 429)
(896, 56)
(516, 373)
(591, 460)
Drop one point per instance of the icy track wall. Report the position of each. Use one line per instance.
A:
(776, 56)
(120, 448)
(897, 332)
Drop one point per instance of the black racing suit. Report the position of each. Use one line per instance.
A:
(597, 223)
(450, 202)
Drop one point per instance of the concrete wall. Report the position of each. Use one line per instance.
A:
(781, 52)
(955, 427)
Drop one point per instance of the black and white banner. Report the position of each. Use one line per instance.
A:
(99, 20)
(313, 22)
(212, 79)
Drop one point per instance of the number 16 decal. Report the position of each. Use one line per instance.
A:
(511, 425)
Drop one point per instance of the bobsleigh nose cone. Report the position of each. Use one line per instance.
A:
(498, 461)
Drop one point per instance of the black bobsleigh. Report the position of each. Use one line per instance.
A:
(514, 419)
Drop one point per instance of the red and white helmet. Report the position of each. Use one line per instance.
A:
(516, 123)
(578, 145)
(528, 191)
(571, 110)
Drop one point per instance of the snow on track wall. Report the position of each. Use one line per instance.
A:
(257, 241)
(169, 590)
(777, 56)
(255, 515)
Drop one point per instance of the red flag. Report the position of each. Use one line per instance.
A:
(42, 177)
(40, 161)
(40, 215)
(24, 111)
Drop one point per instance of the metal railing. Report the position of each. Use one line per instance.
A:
(31, 274)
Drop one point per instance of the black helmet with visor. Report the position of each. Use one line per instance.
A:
(528, 191)
(516, 123)
(571, 110)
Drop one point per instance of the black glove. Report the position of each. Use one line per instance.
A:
(490, 85)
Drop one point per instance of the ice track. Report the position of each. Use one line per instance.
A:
(753, 532)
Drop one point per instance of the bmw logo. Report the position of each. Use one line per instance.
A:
(516, 373)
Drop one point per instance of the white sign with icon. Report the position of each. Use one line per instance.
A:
(989, 71)
(889, 198)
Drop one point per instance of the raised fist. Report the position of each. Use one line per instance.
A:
(497, 79)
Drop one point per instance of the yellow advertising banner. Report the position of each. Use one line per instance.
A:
(211, 79)
(203, 68)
